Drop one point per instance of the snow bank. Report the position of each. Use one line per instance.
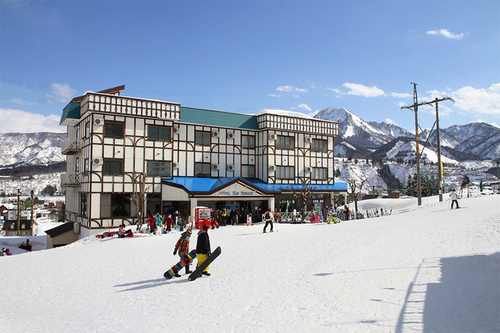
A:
(428, 269)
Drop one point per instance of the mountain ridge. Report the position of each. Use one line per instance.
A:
(358, 138)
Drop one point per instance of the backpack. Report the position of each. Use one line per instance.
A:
(268, 216)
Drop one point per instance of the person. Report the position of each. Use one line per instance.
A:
(6, 252)
(182, 247)
(346, 212)
(203, 248)
(454, 198)
(151, 223)
(26, 246)
(169, 222)
(158, 224)
(121, 231)
(269, 219)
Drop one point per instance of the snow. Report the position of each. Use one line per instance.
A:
(424, 268)
(284, 113)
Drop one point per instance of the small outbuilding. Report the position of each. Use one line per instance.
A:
(61, 235)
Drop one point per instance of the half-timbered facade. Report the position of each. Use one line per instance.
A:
(176, 158)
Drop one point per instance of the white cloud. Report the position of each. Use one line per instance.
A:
(274, 95)
(19, 121)
(447, 34)
(337, 91)
(291, 89)
(401, 95)
(305, 107)
(483, 101)
(19, 101)
(362, 90)
(60, 93)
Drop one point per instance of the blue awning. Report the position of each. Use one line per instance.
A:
(209, 185)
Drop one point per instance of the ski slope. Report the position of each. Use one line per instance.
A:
(424, 268)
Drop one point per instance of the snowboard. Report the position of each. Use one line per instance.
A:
(177, 267)
(197, 272)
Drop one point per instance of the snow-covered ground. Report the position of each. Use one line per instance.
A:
(424, 268)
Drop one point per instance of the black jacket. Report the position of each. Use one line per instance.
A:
(203, 243)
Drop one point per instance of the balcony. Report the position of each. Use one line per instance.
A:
(71, 179)
(71, 146)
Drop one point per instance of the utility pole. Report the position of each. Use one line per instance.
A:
(18, 213)
(440, 170)
(32, 203)
(440, 165)
(415, 109)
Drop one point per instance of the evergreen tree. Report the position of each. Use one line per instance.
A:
(465, 181)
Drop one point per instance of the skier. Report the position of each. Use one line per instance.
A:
(454, 198)
(269, 219)
(182, 246)
(203, 247)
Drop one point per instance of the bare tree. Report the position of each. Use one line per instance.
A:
(356, 188)
(303, 194)
(139, 193)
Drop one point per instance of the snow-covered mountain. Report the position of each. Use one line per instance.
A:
(18, 149)
(39, 154)
(362, 139)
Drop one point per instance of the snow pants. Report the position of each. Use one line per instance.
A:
(201, 258)
(267, 223)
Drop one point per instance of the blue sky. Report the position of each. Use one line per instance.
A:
(245, 56)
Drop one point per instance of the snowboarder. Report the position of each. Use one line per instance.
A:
(203, 247)
(158, 224)
(5, 252)
(454, 198)
(269, 219)
(182, 246)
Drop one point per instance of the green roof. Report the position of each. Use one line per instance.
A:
(71, 111)
(218, 118)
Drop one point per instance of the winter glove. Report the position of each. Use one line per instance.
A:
(175, 252)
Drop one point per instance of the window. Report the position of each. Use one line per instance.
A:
(83, 204)
(319, 173)
(285, 142)
(112, 167)
(115, 205)
(285, 172)
(319, 145)
(202, 138)
(248, 141)
(159, 168)
(248, 171)
(159, 133)
(86, 166)
(87, 129)
(202, 169)
(113, 129)
(77, 165)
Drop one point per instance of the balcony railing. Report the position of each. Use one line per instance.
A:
(71, 179)
(71, 146)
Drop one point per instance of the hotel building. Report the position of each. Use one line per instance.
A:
(121, 151)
